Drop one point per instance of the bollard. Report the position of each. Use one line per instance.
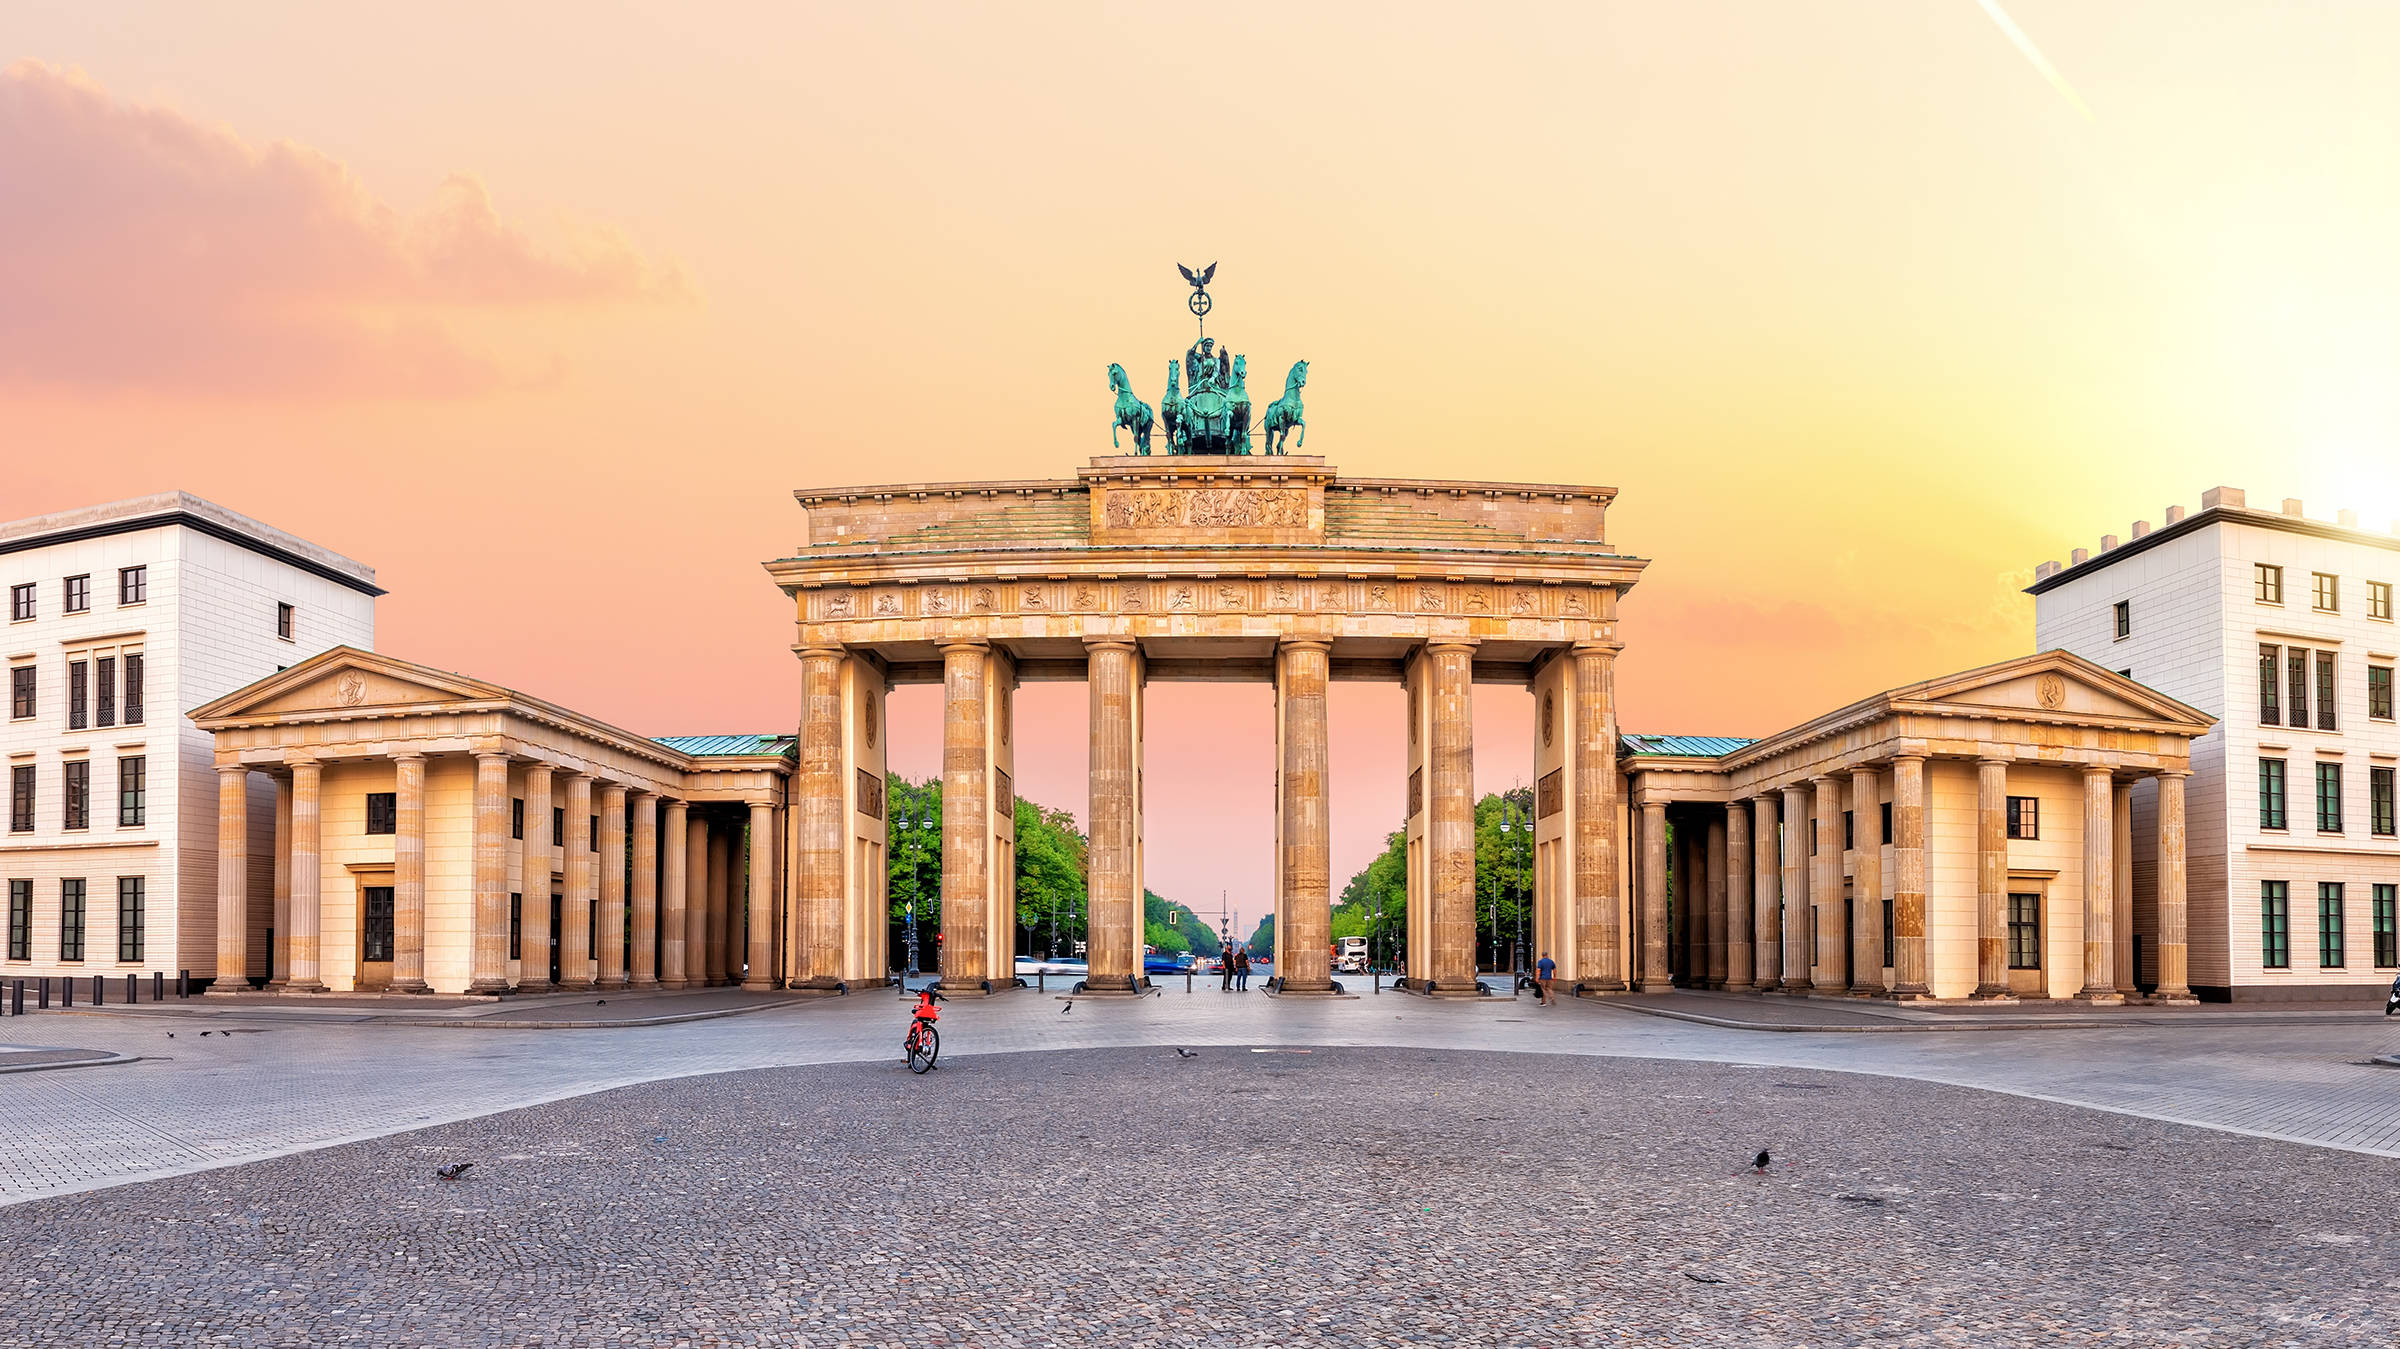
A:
(66, 991)
(99, 990)
(17, 1001)
(1187, 981)
(158, 985)
(44, 1004)
(1041, 980)
(183, 983)
(133, 989)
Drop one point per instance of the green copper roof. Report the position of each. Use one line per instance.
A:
(1687, 746)
(716, 746)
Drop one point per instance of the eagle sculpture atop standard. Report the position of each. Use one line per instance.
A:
(1206, 409)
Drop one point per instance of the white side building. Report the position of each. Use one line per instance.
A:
(2282, 627)
(120, 619)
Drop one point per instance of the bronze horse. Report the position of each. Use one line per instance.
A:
(1132, 414)
(1283, 415)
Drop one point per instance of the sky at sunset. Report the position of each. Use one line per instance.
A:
(543, 309)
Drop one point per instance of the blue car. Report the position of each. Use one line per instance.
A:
(1162, 962)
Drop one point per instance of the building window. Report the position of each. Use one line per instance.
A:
(2379, 801)
(2270, 794)
(79, 694)
(516, 925)
(2295, 664)
(2329, 798)
(2275, 924)
(20, 920)
(2379, 599)
(1849, 830)
(2124, 619)
(79, 794)
(78, 595)
(2379, 692)
(2024, 932)
(2329, 925)
(1887, 934)
(133, 688)
(20, 691)
(133, 585)
(2270, 688)
(20, 798)
(104, 686)
(70, 920)
(2024, 817)
(1887, 821)
(558, 826)
(593, 838)
(383, 813)
(129, 917)
(516, 817)
(133, 795)
(283, 621)
(2325, 701)
(20, 602)
(375, 934)
(2325, 592)
(2268, 584)
(2387, 926)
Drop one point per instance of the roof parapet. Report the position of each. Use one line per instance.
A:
(2291, 507)
(2223, 496)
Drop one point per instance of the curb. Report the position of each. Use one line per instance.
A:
(623, 1023)
(1912, 1027)
(110, 1062)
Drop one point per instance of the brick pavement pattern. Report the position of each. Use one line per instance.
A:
(1332, 1196)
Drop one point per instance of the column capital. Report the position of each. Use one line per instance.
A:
(484, 751)
(1907, 756)
(408, 752)
(821, 651)
(1304, 644)
(1462, 645)
(2171, 773)
(2093, 770)
(947, 645)
(299, 759)
(609, 789)
(1111, 641)
(1994, 760)
(229, 769)
(640, 793)
(1596, 647)
(1835, 778)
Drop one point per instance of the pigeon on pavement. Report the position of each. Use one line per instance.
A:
(1182, 1053)
(452, 1171)
(1068, 1008)
(1759, 1163)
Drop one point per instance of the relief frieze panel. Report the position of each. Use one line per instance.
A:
(1207, 508)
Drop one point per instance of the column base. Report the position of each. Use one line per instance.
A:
(974, 988)
(1653, 986)
(675, 983)
(758, 985)
(1991, 993)
(1611, 985)
(2181, 997)
(1796, 988)
(2103, 997)
(487, 987)
(577, 986)
(408, 986)
(1767, 986)
(1909, 993)
(291, 986)
(223, 987)
(1109, 983)
(616, 985)
(643, 984)
(525, 986)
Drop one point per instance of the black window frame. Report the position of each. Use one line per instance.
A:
(2266, 583)
(2024, 933)
(20, 919)
(2328, 705)
(23, 782)
(2385, 919)
(133, 791)
(2329, 797)
(133, 688)
(592, 840)
(71, 896)
(2295, 666)
(133, 585)
(516, 925)
(2274, 794)
(558, 826)
(2332, 942)
(2379, 693)
(2275, 925)
(516, 818)
(383, 813)
(1886, 811)
(21, 604)
(75, 795)
(2383, 801)
(79, 694)
(2124, 619)
(104, 690)
(378, 924)
(287, 621)
(75, 594)
(1849, 831)
(132, 911)
(2024, 818)
(2270, 684)
(24, 691)
(2325, 592)
(2379, 600)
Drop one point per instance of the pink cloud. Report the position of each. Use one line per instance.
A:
(141, 248)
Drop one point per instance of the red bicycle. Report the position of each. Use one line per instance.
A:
(924, 1043)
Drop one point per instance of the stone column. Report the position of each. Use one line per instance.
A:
(966, 818)
(761, 900)
(674, 948)
(698, 884)
(2121, 887)
(408, 874)
(722, 854)
(1866, 882)
(279, 959)
(821, 805)
(1909, 967)
(1599, 872)
(1825, 887)
(575, 911)
(1796, 951)
(233, 880)
(1720, 896)
(2099, 885)
(1450, 804)
(1683, 885)
(609, 942)
(1114, 920)
(2174, 967)
(1740, 956)
(308, 879)
(533, 884)
(487, 944)
(1991, 878)
(1766, 916)
(1306, 901)
(1656, 974)
(645, 890)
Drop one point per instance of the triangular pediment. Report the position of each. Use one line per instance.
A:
(2050, 684)
(346, 680)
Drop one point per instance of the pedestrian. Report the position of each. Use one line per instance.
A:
(1542, 970)
(1241, 970)
(1225, 967)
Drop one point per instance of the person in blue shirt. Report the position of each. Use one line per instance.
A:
(1543, 969)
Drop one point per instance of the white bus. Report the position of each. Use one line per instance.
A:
(1350, 955)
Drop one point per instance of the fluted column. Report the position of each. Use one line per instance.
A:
(723, 854)
(1866, 881)
(674, 947)
(759, 903)
(1991, 878)
(819, 801)
(308, 879)
(533, 882)
(966, 817)
(1796, 949)
(2174, 960)
(645, 890)
(1114, 921)
(1909, 969)
(1306, 901)
(408, 873)
(575, 914)
(1656, 974)
(2099, 886)
(1450, 802)
(1599, 872)
(1720, 898)
(1740, 956)
(1766, 894)
(609, 941)
(487, 945)
(1825, 887)
(2121, 887)
(279, 956)
(233, 879)
(697, 885)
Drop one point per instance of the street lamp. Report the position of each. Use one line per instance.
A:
(1512, 822)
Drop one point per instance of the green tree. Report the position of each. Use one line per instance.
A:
(1503, 872)
(1262, 942)
(913, 848)
(1053, 866)
(1374, 905)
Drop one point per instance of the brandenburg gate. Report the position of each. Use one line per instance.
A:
(1205, 567)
